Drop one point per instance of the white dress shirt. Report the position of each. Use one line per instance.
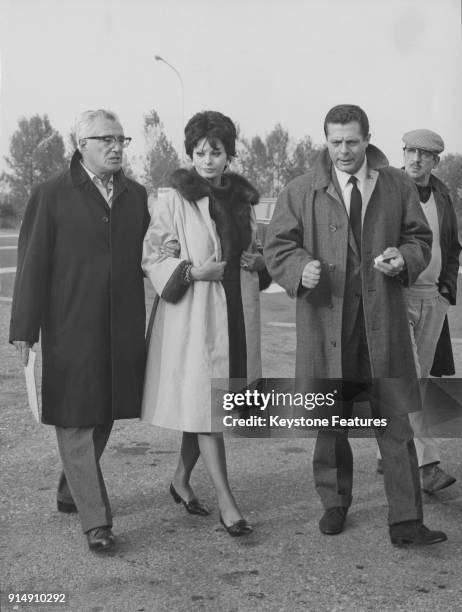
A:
(346, 187)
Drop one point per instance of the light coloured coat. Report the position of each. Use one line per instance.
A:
(189, 344)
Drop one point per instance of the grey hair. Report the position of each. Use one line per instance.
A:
(85, 120)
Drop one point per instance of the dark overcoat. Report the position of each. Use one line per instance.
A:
(79, 283)
(310, 222)
(443, 364)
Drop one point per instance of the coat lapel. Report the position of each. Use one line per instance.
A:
(120, 185)
(81, 179)
(91, 190)
(369, 186)
(335, 191)
(203, 206)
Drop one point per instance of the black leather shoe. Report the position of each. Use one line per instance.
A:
(418, 534)
(237, 529)
(333, 520)
(193, 507)
(66, 507)
(100, 539)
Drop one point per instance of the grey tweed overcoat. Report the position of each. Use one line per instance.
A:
(310, 222)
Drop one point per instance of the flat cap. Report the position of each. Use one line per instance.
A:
(424, 139)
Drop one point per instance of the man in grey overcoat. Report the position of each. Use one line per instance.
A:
(343, 240)
(79, 284)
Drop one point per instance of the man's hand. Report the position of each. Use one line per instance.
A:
(171, 249)
(311, 274)
(390, 262)
(253, 262)
(23, 348)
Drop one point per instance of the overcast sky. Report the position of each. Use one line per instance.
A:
(259, 61)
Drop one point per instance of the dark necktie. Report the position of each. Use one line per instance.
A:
(356, 204)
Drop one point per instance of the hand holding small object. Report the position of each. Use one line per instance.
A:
(253, 262)
(390, 262)
(311, 274)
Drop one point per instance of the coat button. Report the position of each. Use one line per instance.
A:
(331, 266)
(333, 228)
(105, 219)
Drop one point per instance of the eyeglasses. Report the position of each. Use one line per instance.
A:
(111, 140)
(427, 155)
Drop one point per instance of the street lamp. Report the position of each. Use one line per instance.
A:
(158, 58)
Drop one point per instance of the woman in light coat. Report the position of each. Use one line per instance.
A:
(200, 253)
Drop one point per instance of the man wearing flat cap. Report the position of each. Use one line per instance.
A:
(429, 298)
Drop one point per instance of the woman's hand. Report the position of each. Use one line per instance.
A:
(211, 270)
(171, 249)
(253, 262)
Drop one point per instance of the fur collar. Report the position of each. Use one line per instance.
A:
(235, 188)
(229, 206)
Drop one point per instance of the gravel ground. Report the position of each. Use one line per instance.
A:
(169, 560)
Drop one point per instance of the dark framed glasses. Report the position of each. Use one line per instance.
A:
(424, 154)
(110, 140)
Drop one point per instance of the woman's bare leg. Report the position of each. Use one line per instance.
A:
(189, 454)
(212, 449)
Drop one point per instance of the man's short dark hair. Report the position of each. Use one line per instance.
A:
(213, 126)
(346, 113)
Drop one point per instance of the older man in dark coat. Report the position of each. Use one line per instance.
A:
(79, 283)
(343, 240)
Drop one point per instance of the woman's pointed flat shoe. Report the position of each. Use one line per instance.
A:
(237, 529)
(193, 507)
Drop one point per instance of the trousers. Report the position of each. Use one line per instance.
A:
(426, 318)
(333, 459)
(81, 482)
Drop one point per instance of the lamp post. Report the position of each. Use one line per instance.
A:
(158, 58)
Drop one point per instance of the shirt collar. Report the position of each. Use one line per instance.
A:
(94, 176)
(344, 177)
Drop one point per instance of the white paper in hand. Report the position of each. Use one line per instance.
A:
(31, 386)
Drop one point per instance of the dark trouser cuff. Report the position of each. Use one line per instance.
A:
(404, 526)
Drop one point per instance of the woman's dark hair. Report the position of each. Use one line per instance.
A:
(346, 113)
(213, 126)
